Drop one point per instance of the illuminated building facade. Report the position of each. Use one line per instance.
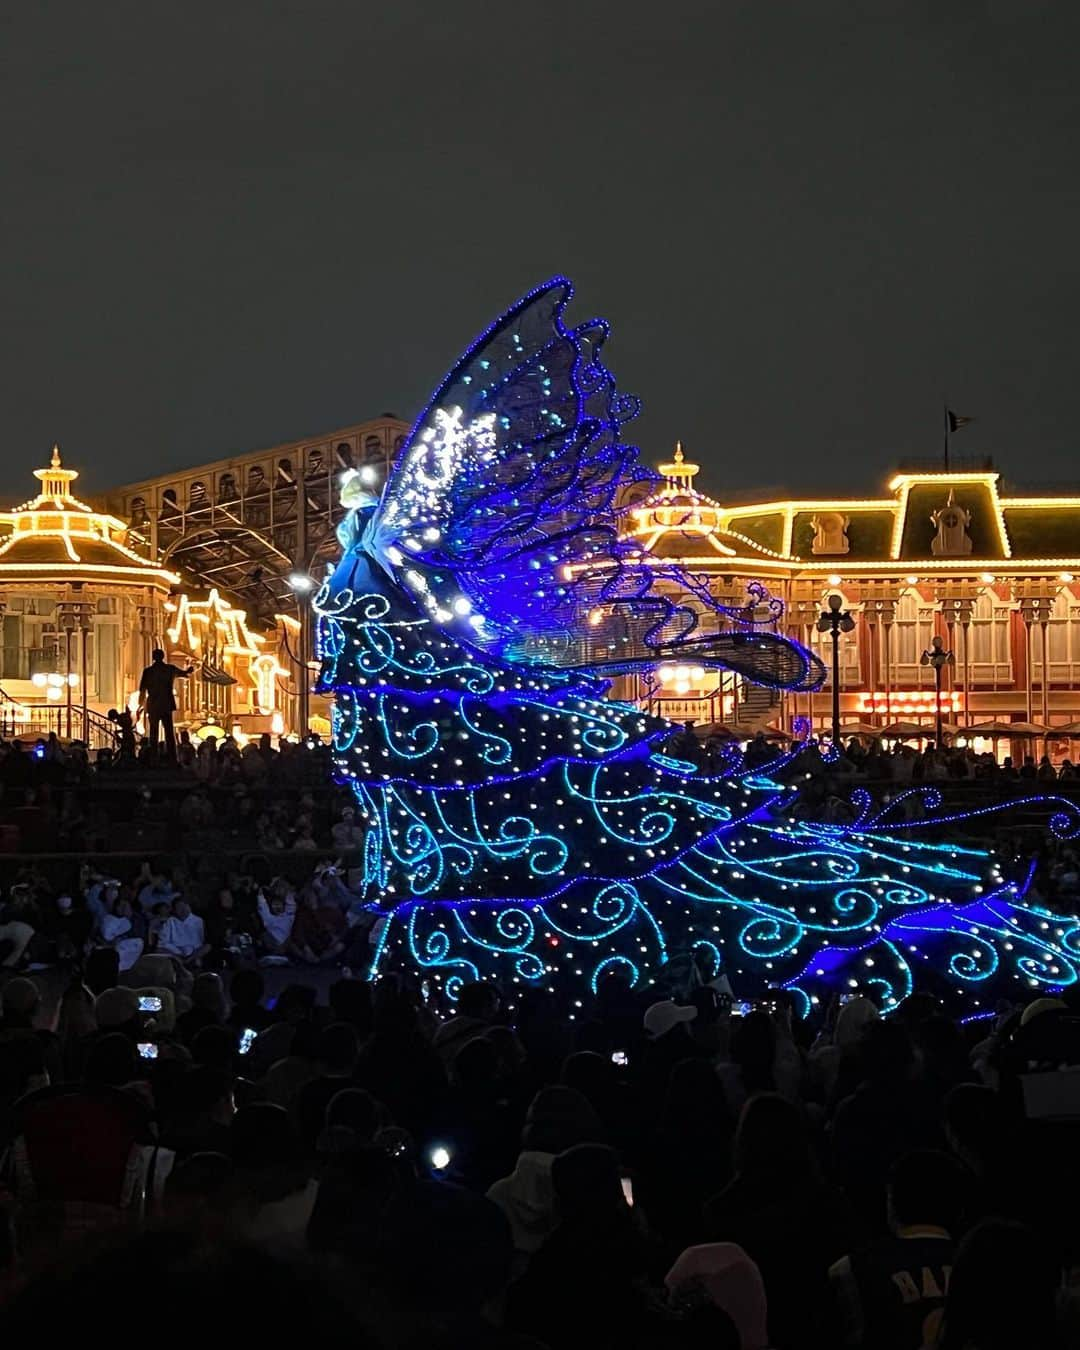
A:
(994, 574)
(203, 563)
(81, 610)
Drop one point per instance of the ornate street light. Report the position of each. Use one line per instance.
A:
(938, 656)
(835, 620)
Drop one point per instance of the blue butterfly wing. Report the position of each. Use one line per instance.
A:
(501, 514)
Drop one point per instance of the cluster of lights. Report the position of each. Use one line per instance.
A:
(913, 701)
(53, 684)
(522, 826)
(680, 678)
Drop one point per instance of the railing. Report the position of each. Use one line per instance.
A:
(35, 721)
(23, 663)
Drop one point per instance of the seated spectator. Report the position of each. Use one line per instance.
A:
(336, 1056)
(15, 934)
(397, 1064)
(977, 1131)
(667, 1043)
(201, 1111)
(246, 988)
(888, 1115)
(839, 1044)
(345, 833)
(207, 1006)
(478, 1121)
(688, 1158)
(890, 1293)
(781, 1213)
(1003, 1291)
(724, 1275)
(155, 889)
(318, 934)
(230, 932)
(586, 1284)
(762, 1058)
(476, 1009)
(278, 914)
(183, 935)
(277, 1194)
(120, 929)
(558, 1118)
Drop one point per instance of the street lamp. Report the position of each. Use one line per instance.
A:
(835, 620)
(938, 656)
(302, 584)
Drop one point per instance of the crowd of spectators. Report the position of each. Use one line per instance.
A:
(643, 1173)
(874, 760)
(665, 1174)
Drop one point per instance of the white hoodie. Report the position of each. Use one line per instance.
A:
(278, 926)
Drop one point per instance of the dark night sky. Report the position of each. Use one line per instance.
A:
(235, 224)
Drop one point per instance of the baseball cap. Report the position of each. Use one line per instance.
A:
(661, 1017)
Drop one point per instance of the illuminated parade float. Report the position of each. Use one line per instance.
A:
(524, 826)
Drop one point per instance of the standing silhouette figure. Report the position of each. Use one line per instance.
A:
(157, 698)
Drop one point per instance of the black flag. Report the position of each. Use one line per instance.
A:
(955, 421)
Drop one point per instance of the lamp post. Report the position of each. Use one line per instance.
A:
(835, 620)
(302, 584)
(938, 656)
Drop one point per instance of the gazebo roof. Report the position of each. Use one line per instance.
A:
(56, 537)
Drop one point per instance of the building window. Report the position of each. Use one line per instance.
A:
(988, 635)
(912, 630)
(821, 643)
(1062, 636)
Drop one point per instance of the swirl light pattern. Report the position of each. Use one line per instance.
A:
(523, 826)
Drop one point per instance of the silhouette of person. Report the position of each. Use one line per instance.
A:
(156, 696)
(125, 727)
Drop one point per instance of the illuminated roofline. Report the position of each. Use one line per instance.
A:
(92, 569)
(1028, 502)
(987, 476)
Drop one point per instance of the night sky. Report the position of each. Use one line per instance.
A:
(235, 224)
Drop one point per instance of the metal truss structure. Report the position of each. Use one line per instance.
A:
(246, 523)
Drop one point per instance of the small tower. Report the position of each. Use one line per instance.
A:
(56, 480)
(680, 472)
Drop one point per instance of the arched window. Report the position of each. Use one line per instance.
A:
(285, 471)
(256, 479)
(197, 493)
(169, 505)
(344, 455)
(399, 441)
(315, 465)
(227, 488)
(373, 447)
(139, 513)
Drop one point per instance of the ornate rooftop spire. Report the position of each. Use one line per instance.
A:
(680, 471)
